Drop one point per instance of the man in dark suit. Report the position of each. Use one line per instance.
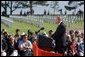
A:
(59, 35)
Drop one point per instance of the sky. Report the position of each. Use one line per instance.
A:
(40, 9)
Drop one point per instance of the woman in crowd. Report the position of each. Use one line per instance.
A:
(3, 47)
(72, 44)
(80, 44)
(11, 47)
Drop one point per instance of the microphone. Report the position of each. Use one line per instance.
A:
(42, 28)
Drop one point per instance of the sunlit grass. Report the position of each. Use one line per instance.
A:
(48, 26)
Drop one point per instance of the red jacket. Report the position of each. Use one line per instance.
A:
(73, 47)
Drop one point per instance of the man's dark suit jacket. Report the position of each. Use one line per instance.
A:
(58, 36)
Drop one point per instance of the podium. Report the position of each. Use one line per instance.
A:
(39, 52)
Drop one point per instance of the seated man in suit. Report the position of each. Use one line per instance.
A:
(59, 35)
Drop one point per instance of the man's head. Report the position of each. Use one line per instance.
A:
(58, 19)
(11, 39)
(71, 32)
(5, 33)
(82, 35)
(25, 38)
(77, 33)
(17, 31)
(50, 32)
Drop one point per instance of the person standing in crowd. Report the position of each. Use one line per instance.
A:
(3, 47)
(80, 44)
(58, 36)
(68, 41)
(77, 35)
(31, 37)
(11, 47)
(2, 31)
(25, 46)
(17, 35)
(71, 33)
(73, 46)
(17, 32)
(5, 37)
(50, 32)
(82, 35)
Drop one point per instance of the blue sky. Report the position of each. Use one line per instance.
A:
(40, 9)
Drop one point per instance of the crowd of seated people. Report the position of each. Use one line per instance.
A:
(75, 43)
(21, 44)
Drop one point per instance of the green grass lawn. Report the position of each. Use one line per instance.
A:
(20, 25)
(25, 26)
(76, 26)
(48, 26)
